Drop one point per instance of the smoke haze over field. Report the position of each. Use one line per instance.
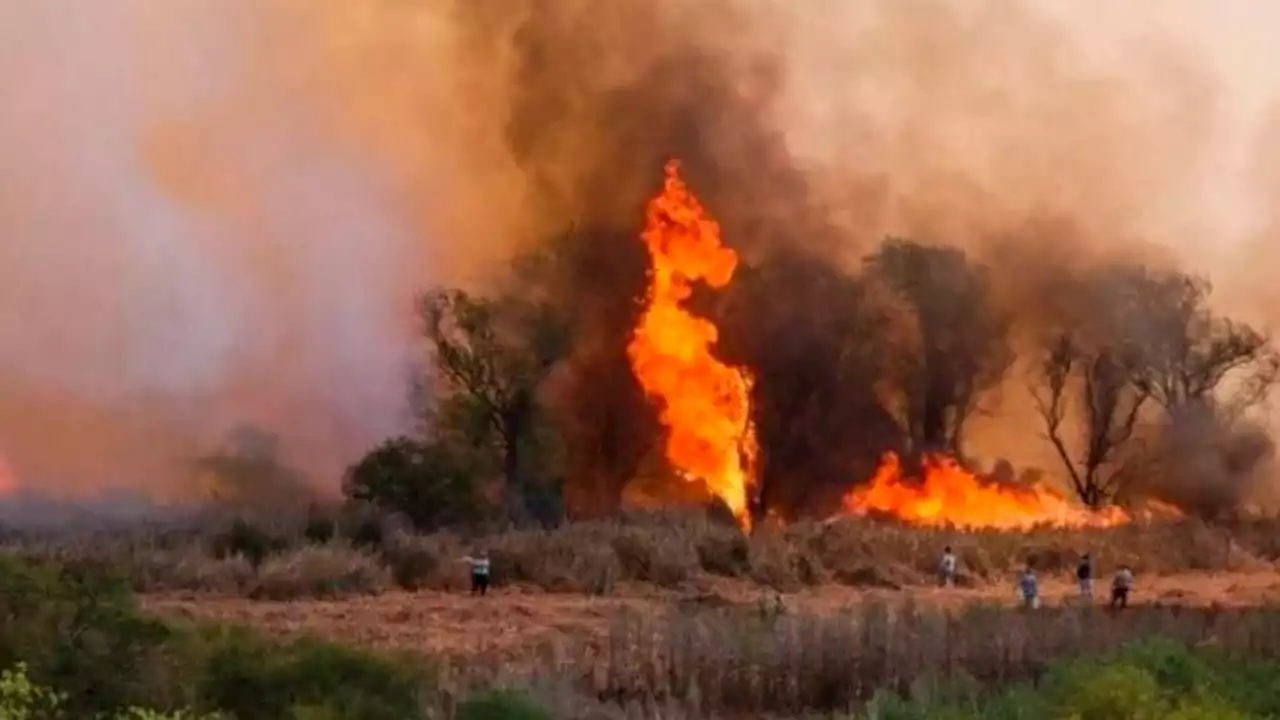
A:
(217, 212)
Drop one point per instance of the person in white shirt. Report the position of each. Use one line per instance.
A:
(479, 572)
(947, 568)
(1121, 586)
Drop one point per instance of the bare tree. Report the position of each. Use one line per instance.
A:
(961, 339)
(1089, 389)
(1189, 355)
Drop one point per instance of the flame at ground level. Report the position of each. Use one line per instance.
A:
(947, 494)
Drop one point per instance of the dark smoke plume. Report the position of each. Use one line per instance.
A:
(983, 127)
(265, 188)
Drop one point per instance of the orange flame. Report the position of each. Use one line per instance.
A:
(951, 495)
(703, 403)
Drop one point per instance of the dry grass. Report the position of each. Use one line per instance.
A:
(607, 657)
(736, 664)
(665, 550)
(332, 570)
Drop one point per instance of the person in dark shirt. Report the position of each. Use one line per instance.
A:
(1029, 588)
(1084, 576)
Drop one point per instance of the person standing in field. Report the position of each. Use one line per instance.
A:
(1084, 576)
(947, 568)
(1121, 586)
(1029, 588)
(479, 572)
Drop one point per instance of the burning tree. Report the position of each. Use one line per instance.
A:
(593, 276)
(812, 339)
(958, 348)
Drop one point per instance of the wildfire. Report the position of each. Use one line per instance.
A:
(703, 403)
(950, 495)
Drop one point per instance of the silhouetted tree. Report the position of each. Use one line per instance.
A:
(496, 354)
(958, 346)
(1087, 391)
(811, 340)
(593, 277)
(1188, 353)
(247, 473)
(432, 484)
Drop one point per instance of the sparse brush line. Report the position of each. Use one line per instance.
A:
(666, 550)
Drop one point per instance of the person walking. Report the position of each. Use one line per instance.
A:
(1084, 576)
(947, 568)
(1121, 586)
(1029, 588)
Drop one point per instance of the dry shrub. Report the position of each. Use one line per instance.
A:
(189, 569)
(780, 561)
(726, 554)
(320, 571)
(655, 557)
(425, 563)
(690, 663)
(734, 664)
(578, 558)
(1258, 537)
(910, 555)
(670, 548)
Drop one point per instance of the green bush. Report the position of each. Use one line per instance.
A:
(244, 539)
(1156, 680)
(501, 705)
(80, 631)
(81, 634)
(251, 678)
(320, 528)
(20, 699)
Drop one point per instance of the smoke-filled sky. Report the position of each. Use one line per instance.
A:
(215, 212)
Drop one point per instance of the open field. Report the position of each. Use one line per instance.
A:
(516, 622)
(720, 653)
(676, 616)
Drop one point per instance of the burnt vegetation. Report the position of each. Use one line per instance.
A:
(530, 422)
(858, 343)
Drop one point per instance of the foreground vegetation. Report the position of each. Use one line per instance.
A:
(1155, 680)
(363, 555)
(75, 645)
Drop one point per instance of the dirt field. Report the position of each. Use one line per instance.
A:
(513, 622)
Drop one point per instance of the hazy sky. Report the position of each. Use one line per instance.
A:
(1236, 39)
(218, 211)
